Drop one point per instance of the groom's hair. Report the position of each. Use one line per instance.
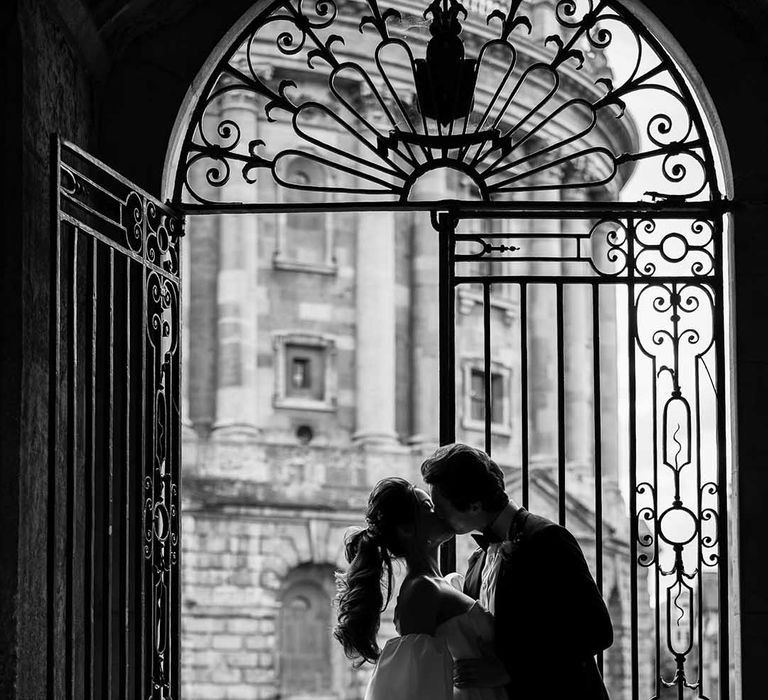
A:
(466, 475)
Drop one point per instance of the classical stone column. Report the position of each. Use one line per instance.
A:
(542, 339)
(578, 358)
(611, 305)
(236, 405)
(200, 300)
(375, 322)
(425, 364)
(543, 19)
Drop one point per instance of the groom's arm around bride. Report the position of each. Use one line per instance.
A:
(550, 619)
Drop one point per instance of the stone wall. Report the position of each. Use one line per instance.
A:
(46, 89)
(253, 514)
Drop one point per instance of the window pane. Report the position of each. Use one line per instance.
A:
(304, 236)
(305, 372)
(477, 395)
(497, 398)
(301, 372)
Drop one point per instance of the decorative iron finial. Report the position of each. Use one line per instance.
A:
(445, 80)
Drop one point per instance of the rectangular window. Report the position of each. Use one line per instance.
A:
(305, 376)
(477, 396)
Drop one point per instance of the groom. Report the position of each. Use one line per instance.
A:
(550, 619)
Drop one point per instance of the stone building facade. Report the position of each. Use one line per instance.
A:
(311, 372)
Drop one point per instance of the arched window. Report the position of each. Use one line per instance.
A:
(304, 238)
(304, 636)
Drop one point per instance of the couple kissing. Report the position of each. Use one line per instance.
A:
(525, 625)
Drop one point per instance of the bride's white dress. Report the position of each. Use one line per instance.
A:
(420, 666)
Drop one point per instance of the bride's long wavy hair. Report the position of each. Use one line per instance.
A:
(361, 592)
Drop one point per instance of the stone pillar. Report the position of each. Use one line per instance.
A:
(578, 360)
(425, 364)
(200, 300)
(611, 412)
(542, 340)
(236, 405)
(375, 323)
(543, 19)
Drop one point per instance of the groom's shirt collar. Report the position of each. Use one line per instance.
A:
(499, 528)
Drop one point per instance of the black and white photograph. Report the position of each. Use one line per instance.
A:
(384, 350)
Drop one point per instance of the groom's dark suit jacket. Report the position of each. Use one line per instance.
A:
(550, 619)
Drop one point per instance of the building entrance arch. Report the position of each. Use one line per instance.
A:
(586, 182)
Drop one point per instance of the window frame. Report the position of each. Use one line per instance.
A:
(280, 398)
(470, 364)
(281, 261)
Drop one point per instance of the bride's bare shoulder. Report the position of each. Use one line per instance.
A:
(418, 604)
(418, 590)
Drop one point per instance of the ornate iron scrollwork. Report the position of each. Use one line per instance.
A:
(508, 109)
(679, 343)
(667, 272)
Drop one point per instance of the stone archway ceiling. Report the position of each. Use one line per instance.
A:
(533, 97)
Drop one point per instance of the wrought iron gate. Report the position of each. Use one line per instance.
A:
(115, 435)
(358, 104)
(662, 271)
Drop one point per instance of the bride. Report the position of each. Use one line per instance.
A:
(437, 623)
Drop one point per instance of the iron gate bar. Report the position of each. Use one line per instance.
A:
(90, 487)
(699, 506)
(560, 405)
(488, 210)
(72, 424)
(553, 279)
(445, 227)
(598, 447)
(656, 577)
(722, 471)
(107, 650)
(125, 498)
(633, 526)
(142, 561)
(487, 384)
(524, 388)
(77, 322)
(54, 359)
